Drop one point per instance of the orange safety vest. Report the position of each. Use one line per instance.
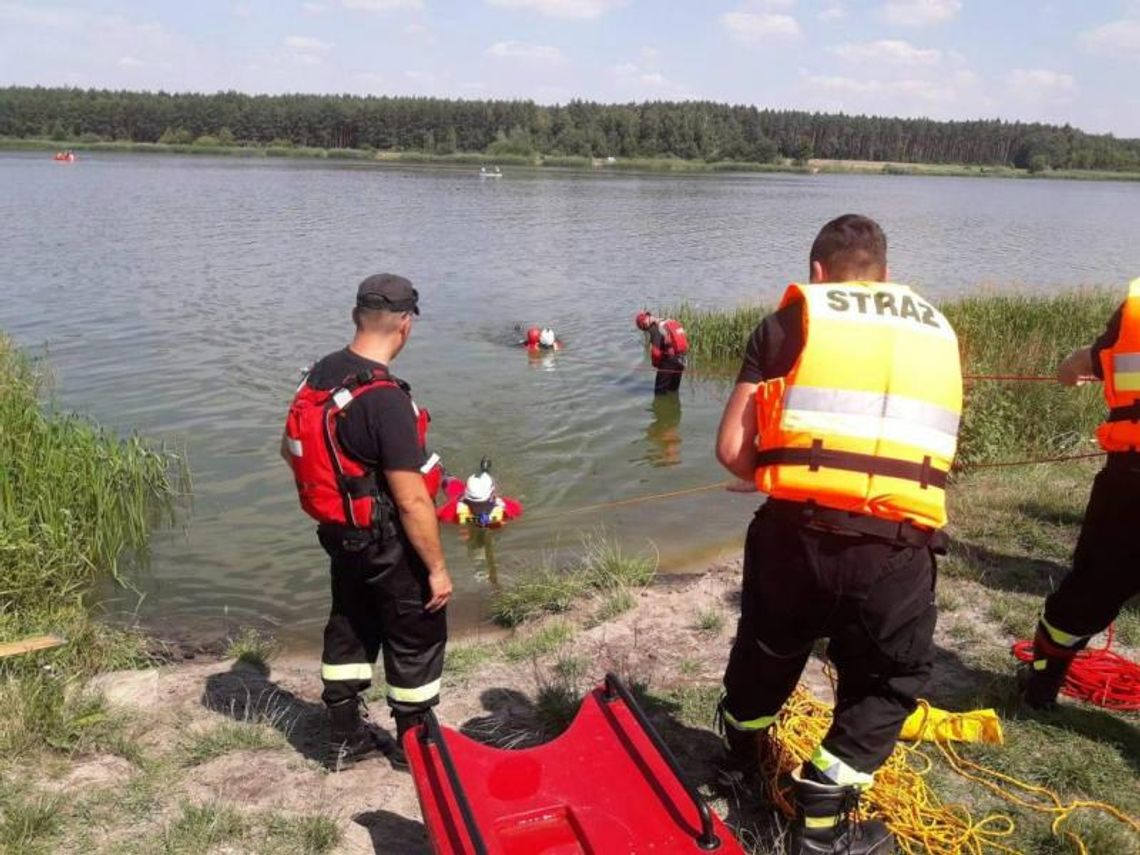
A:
(867, 419)
(1120, 365)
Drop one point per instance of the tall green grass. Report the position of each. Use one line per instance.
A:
(999, 333)
(1026, 334)
(602, 568)
(75, 502)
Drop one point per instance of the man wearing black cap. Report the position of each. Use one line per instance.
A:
(390, 584)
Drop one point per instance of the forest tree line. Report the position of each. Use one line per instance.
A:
(690, 130)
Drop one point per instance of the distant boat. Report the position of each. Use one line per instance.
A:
(64, 156)
(484, 172)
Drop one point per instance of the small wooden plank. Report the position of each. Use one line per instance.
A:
(27, 645)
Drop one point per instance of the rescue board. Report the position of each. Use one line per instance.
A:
(607, 785)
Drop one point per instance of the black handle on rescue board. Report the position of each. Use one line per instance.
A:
(431, 734)
(614, 689)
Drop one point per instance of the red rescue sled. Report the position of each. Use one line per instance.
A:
(607, 786)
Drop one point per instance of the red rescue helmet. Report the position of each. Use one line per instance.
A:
(642, 320)
(532, 335)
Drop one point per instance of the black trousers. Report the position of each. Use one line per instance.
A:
(669, 373)
(873, 600)
(1106, 563)
(379, 588)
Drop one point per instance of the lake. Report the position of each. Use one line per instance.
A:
(181, 296)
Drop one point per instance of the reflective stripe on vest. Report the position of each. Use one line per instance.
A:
(1120, 365)
(871, 415)
(867, 420)
(465, 516)
(1126, 371)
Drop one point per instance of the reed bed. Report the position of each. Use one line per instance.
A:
(76, 502)
(1015, 333)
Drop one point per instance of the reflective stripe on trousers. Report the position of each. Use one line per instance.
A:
(350, 671)
(415, 695)
(761, 723)
(838, 771)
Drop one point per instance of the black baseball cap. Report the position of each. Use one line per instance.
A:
(389, 292)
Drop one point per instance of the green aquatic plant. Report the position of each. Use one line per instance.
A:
(1016, 333)
(76, 502)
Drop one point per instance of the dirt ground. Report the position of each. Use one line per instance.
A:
(376, 805)
(676, 635)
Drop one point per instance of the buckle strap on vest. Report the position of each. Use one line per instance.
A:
(1131, 413)
(817, 456)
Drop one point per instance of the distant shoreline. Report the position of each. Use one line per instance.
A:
(649, 165)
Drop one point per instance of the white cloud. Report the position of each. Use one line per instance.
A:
(524, 51)
(834, 12)
(306, 49)
(753, 28)
(314, 8)
(370, 81)
(921, 13)
(241, 10)
(638, 83)
(1114, 38)
(1040, 84)
(892, 51)
(306, 44)
(130, 62)
(421, 33)
(18, 13)
(550, 93)
(956, 95)
(566, 9)
(381, 5)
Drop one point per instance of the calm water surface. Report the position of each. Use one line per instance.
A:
(180, 297)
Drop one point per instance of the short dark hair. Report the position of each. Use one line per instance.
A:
(852, 247)
(377, 320)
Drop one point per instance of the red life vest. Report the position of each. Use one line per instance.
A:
(333, 487)
(676, 342)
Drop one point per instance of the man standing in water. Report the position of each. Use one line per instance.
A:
(356, 442)
(668, 345)
(845, 413)
(1106, 562)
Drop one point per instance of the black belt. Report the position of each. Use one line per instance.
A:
(1123, 461)
(817, 457)
(814, 516)
(1131, 413)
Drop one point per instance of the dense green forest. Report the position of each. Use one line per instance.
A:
(689, 130)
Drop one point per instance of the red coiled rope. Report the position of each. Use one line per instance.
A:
(1098, 676)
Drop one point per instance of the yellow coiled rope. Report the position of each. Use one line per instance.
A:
(904, 801)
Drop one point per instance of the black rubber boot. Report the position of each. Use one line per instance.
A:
(352, 735)
(1039, 688)
(396, 755)
(826, 825)
(748, 757)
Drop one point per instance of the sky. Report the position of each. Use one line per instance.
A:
(1060, 61)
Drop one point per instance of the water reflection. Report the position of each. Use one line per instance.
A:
(481, 554)
(664, 431)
